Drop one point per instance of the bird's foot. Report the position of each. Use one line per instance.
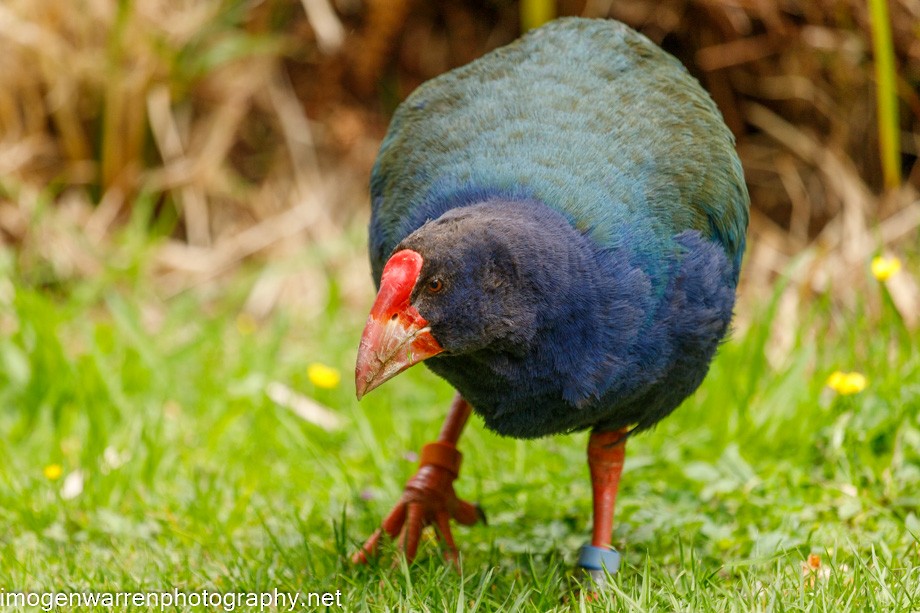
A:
(428, 500)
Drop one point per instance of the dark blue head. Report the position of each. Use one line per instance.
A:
(493, 276)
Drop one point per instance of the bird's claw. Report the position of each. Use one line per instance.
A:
(428, 500)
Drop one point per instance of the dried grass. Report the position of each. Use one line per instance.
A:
(186, 104)
(199, 106)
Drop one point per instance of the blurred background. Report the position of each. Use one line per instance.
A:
(239, 131)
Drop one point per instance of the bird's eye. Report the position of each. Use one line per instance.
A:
(435, 285)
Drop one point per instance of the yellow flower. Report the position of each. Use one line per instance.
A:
(246, 324)
(884, 268)
(323, 376)
(53, 472)
(847, 383)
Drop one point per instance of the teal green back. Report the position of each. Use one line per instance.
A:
(587, 116)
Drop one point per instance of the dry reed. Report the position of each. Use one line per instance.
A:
(199, 108)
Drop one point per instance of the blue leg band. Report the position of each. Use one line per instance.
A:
(597, 558)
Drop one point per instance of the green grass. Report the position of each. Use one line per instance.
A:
(194, 479)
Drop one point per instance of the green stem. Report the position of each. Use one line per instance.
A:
(534, 13)
(886, 93)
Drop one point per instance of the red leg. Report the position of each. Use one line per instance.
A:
(456, 420)
(429, 497)
(606, 451)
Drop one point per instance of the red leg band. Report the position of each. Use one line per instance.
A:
(443, 455)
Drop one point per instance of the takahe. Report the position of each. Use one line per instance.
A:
(557, 231)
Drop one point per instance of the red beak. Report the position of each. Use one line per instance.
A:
(396, 336)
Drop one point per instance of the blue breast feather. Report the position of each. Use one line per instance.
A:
(613, 351)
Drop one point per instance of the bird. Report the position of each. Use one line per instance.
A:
(556, 230)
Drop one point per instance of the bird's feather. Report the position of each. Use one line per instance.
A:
(586, 146)
(587, 116)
